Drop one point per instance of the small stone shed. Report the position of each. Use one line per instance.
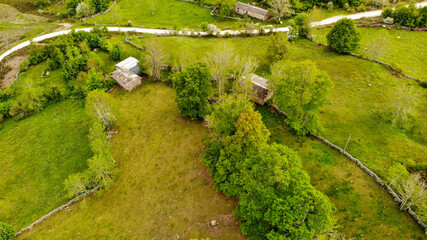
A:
(126, 73)
(251, 11)
(260, 87)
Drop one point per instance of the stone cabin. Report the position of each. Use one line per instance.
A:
(126, 74)
(260, 88)
(251, 11)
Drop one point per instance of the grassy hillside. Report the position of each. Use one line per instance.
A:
(167, 14)
(163, 189)
(36, 155)
(363, 93)
(406, 49)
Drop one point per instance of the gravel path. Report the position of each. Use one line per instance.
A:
(162, 31)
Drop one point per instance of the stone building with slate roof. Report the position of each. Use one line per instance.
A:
(251, 11)
(260, 88)
(126, 74)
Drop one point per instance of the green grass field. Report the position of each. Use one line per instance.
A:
(406, 49)
(167, 14)
(36, 155)
(163, 189)
(354, 106)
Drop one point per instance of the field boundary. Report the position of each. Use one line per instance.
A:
(51, 213)
(101, 13)
(393, 195)
(388, 66)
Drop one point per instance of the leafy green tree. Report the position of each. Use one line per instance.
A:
(116, 52)
(301, 93)
(76, 184)
(227, 7)
(302, 20)
(6, 231)
(404, 104)
(83, 10)
(225, 114)
(405, 15)
(71, 5)
(99, 5)
(278, 48)
(192, 87)
(102, 170)
(279, 202)
(251, 134)
(99, 105)
(56, 60)
(344, 36)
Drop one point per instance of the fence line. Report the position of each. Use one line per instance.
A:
(394, 196)
(55, 211)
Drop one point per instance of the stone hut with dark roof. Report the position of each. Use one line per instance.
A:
(251, 11)
(126, 74)
(260, 88)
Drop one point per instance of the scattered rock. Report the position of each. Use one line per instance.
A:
(214, 223)
(369, 85)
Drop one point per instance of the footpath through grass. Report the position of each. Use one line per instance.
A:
(36, 155)
(163, 189)
(406, 49)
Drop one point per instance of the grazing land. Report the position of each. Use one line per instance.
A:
(163, 189)
(37, 155)
(174, 186)
(363, 93)
(405, 49)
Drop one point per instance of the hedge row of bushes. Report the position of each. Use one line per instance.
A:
(84, 8)
(410, 16)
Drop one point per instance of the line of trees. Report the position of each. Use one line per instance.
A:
(101, 167)
(403, 15)
(84, 8)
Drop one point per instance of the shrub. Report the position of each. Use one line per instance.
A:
(344, 36)
(130, 23)
(212, 29)
(6, 231)
(63, 15)
(41, 3)
(83, 10)
(388, 12)
(422, 17)
(405, 16)
(116, 52)
(23, 66)
(99, 5)
(5, 108)
(388, 20)
(379, 3)
(71, 5)
(330, 6)
(204, 26)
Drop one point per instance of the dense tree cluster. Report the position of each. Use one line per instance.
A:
(84, 8)
(81, 68)
(276, 199)
(101, 167)
(409, 16)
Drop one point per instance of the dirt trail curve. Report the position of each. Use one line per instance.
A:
(162, 31)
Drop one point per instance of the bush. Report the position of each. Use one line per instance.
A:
(422, 17)
(212, 29)
(303, 22)
(5, 108)
(344, 36)
(23, 66)
(388, 12)
(405, 16)
(71, 5)
(388, 20)
(83, 10)
(6, 231)
(204, 26)
(116, 52)
(99, 5)
(41, 3)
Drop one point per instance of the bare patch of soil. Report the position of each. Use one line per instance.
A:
(11, 75)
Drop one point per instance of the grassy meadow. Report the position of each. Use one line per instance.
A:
(36, 155)
(405, 49)
(163, 190)
(363, 94)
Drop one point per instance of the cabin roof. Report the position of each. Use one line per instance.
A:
(128, 63)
